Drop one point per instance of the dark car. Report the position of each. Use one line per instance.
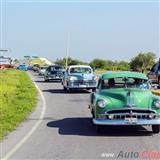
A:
(154, 74)
(54, 72)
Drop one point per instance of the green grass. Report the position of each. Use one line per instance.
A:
(17, 99)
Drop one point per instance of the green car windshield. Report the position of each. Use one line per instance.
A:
(125, 82)
(83, 70)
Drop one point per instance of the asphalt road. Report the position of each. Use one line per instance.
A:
(66, 131)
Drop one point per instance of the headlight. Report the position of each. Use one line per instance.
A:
(101, 103)
(157, 103)
(72, 78)
(96, 78)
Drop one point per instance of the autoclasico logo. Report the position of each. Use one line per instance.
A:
(144, 154)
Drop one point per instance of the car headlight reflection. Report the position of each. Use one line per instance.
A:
(101, 103)
(72, 78)
(96, 78)
(157, 103)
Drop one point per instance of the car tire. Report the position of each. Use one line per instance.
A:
(156, 128)
(65, 88)
(93, 89)
(46, 80)
(70, 90)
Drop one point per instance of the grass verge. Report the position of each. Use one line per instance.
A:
(17, 99)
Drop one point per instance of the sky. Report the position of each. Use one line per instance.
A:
(115, 30)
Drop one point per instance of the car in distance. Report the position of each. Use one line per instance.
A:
(125, 98)
(54, 72)
(79, 77)
(36, 67)
(5, 62)
(42, 70)
(154, 74)
(23, 67)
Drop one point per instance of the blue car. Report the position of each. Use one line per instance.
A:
(23, 67)
(79, 77)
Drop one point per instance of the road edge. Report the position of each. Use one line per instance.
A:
(33, 129)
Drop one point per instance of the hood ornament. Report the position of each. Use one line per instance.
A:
(130, 99)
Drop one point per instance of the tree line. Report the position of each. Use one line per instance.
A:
(141, 63)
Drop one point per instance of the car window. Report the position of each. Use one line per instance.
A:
(56, 68)
(84, 70)
(22, 65)
(125, 82)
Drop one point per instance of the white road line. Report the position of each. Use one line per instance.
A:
(26, 137)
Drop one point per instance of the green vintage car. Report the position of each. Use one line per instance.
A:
(125, 98)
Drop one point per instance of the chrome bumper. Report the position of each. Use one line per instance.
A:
(76, 85)
(54, 77)
(124, 122)
(81, 87)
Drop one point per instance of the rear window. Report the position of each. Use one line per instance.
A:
(55, 68)
(81, 70)
(22, 65)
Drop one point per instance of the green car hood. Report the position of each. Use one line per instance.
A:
(119, 98)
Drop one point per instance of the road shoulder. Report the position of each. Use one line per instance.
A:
(9, 145)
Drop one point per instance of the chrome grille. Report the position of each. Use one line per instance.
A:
(82, 82)
(131, 116)
(128, 113)
(134, 111)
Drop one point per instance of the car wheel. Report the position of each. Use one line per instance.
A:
(156, 128)
(70, 90)
(46, 80)
(93, 89)
(65, 88)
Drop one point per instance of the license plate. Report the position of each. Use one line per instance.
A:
(131, 120)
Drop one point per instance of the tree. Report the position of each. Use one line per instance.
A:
(123, 66)
(71, 61)
(98, 64)
(142, 61)
(16, 61)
